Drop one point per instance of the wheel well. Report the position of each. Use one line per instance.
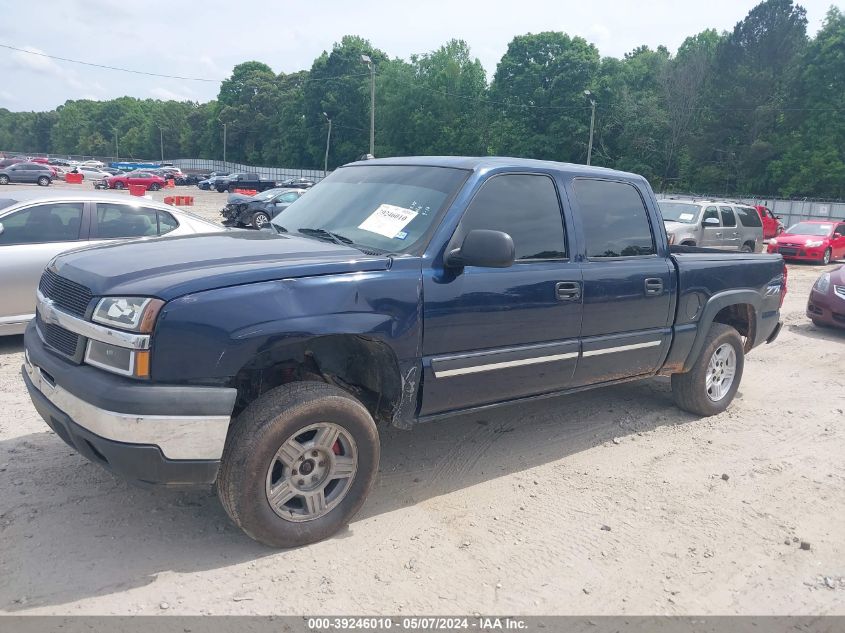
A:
(365, 368)
(742, 318)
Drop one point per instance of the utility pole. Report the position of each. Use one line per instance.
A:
(592, 99)
(224, 142)
(368, 60)
(328, 141)
(116, 148)
(161, 132)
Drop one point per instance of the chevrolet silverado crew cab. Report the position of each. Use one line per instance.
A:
(398, 291)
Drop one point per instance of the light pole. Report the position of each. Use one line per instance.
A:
(161, 138)
(369, 62)
(592, 99)
(224, 142)
(116, 148)
(328, 141)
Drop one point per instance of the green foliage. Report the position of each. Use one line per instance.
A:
(754, 110)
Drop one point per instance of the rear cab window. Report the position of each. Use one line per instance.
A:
(614, 218)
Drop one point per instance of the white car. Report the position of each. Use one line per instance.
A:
(91, 173)
(93, 163)
(35, 227)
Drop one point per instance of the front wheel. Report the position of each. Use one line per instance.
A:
(298, 464)
(155, 186)
(826, 257)
(710, 386)
(4, 179)
(260, 220)
(747, 248)
(43, 181)
(119, 185)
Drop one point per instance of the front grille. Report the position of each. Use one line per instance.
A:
(59, 338)
(839, 291)
(66, 294)
(788, 251)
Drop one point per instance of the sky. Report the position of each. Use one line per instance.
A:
(206, 39)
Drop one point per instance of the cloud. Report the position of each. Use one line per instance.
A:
(35, 62)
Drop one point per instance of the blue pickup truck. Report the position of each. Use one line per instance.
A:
(398, 291)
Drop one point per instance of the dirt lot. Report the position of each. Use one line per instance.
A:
(606, 502)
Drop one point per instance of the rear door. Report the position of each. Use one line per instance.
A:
(31, 237)
(730, 231)
(496, 334)
(629, 283)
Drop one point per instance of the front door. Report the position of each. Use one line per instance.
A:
(495, 334)
(711, 234)
(30, 238)
(628, 284)
(838, 242)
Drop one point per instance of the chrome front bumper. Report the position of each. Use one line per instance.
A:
(181, 437)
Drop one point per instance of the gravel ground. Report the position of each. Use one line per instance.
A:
(605, 502)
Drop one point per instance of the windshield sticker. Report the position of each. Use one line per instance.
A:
(388, 220)
(401, 235)
(686, 216)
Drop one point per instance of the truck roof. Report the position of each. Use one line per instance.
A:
(484, 163)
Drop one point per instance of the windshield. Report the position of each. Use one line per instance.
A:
(266, 195)
(682, 212)
(810, 228)
(388, 208)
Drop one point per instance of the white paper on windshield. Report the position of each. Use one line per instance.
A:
(388, 220)
(686, 216)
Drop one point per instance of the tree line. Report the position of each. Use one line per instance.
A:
(755, 110)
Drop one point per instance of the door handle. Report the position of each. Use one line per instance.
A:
(568, 290)
(718, 235)
(653, 287)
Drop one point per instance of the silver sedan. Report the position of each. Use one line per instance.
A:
(35, 227)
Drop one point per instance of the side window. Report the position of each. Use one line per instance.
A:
(728, 218)
(615, 219)
(120, 220)
(288, 197)
(840, 230)
(58, 222)
(710, 212)
(166, 222)
(748, 216)
(526, 208)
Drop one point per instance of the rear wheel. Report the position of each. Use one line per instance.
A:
(119, 185)
(748, 247)
(155, 186)
(260, 220)
(710, 386)
(4, 179)
(298, 464)
(43, 181)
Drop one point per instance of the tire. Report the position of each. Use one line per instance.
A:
(690, 391)
(252, 460)
(4, 179)
(826, 257)
(747, 248)
(155, 186)
(119, 185)
(259, 220)
(43, 181)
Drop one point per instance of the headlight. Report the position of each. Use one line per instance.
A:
(120, 360)
(137, 314)
(823, 283)
(814, 243)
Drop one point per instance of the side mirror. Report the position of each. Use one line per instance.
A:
(485, 248)
(711, 222)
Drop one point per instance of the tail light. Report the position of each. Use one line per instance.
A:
(783, 284)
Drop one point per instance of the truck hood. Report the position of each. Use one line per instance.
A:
(171, 267)
(671, 227)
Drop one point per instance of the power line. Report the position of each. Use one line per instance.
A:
(150, 74)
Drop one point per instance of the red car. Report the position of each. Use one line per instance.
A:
(772, 226)
(150, 181)
(827, 299)
(811, 240)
